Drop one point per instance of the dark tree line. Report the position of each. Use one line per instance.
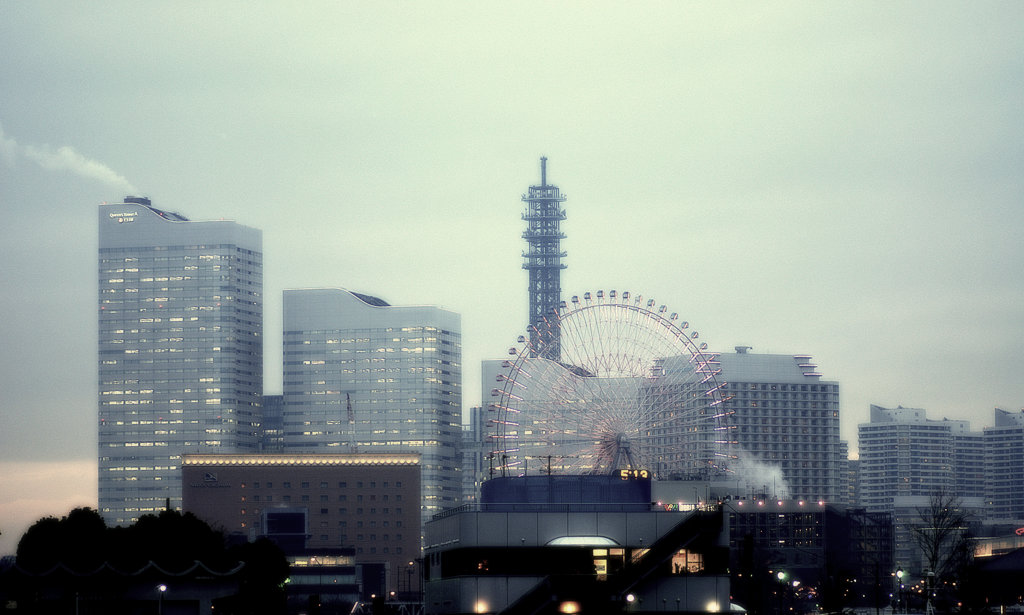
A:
(82, 542)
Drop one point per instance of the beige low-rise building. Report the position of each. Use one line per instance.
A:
(367, 501)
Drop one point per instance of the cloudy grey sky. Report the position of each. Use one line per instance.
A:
(838, 179)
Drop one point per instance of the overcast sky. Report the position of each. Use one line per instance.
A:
(837, 179)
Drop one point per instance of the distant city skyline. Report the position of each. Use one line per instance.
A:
(838, 182)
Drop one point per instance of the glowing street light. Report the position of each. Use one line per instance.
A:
(899, 595)
(781, 576)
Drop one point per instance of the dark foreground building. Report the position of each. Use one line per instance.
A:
(109, 591)
(793, 553)
(567, 544)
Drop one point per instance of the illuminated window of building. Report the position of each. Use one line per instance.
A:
(601, 564)
(684, 562)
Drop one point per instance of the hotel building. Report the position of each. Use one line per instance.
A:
(785, 417)
(368, 502)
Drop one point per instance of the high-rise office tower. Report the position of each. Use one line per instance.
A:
(1004, 470)
(180, 350)
(272, 427)
(543, 258)
(786, 417)
(474, 453)
(363, 376)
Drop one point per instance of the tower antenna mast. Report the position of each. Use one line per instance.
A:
(543, 260)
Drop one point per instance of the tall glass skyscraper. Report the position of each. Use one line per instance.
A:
(180, 350)
(364, 376)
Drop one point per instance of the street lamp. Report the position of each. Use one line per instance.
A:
(160, 598)
(899, 590)
(781, 576)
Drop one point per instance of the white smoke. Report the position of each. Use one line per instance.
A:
(760, 478)
(8, 148)
(64, 158)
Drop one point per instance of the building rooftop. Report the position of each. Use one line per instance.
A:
(317, 459)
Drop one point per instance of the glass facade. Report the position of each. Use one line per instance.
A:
(363, 376)
(180, 350)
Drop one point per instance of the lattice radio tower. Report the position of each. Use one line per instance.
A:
(543, 259)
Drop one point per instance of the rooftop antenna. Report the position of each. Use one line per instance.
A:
(543, 259)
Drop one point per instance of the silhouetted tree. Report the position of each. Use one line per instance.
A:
(78, 540)
(172, 540)
(942, 533)
(262, 586)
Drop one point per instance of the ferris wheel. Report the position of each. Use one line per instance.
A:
(606, 384)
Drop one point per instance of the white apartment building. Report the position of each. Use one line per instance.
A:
(905, 458)
(1004, 467)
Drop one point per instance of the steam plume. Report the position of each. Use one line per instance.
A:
(759, 477)
(63, 158)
